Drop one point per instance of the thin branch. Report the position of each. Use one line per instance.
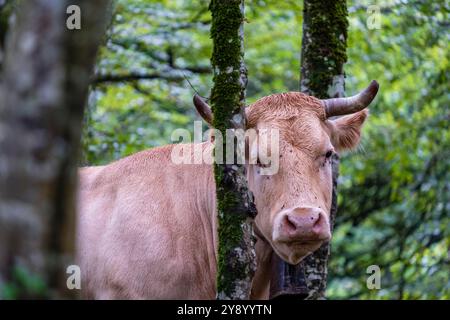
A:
(105, 78)
(168, 57)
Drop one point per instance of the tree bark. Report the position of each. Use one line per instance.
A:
(323, 56)
(46, 74)
(236, 257)
(324, 46)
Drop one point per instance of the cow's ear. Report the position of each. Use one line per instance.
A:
(203, 109)
(346, 131)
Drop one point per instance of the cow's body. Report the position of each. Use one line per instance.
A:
(147, 225)
(147, 229)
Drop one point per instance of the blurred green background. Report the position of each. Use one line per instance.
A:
(393, 191)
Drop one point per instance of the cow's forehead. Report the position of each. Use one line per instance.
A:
(300, 119)
(307, 130)
(283, 106)
(306, 133)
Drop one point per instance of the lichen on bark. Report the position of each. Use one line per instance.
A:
(236, 257)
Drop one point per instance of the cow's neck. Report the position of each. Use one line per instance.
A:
(261, 280)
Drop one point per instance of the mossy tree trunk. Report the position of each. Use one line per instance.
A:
(324, 46)
(236, 257)
(323, 56)
(46, 74)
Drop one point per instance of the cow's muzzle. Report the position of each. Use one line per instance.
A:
(299, 226)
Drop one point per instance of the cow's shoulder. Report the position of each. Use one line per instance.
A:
(152, 167)
(92, 176)
(88, 176)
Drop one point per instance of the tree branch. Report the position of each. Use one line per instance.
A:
(105, 78)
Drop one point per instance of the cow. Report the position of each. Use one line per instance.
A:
(147, 227)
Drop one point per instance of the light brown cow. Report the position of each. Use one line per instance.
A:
(147, 226)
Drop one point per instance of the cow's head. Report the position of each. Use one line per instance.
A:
(294, 203)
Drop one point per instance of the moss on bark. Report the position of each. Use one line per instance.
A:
(236, 261)
(324, 46)
(227, 93)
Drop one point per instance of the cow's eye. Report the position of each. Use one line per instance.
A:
(329, 154)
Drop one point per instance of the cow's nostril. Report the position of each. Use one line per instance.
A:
(290, 225)
(318, 224)
(318, 219)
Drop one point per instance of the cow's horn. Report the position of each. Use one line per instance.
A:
(203, 109)
(341, 106)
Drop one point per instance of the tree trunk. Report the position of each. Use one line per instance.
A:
(45, 81)
(236, 257)
(323, 56)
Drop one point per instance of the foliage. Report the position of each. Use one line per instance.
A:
(394, 204)
(24, 285)
(393, 192)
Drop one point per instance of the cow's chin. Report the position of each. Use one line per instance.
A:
(295, 252)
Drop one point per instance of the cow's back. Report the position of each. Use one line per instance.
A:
(145, 229)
